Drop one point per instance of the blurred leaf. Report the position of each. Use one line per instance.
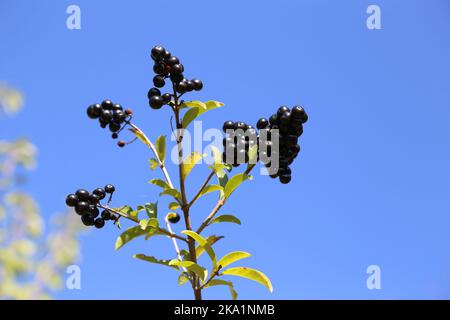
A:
(226, 218)
(172, 192)
(161, 147)
(153, 164)
(174, 205)
(251, 274)
(160, 183)
(182, 279)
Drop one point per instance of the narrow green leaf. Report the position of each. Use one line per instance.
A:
(172, 192)
(149, 223)
(232, 257)
(191, 266)
(233, 183)
(223, 180)
(129, 235)
(154, 260)
(182, 279)
(251, 274)
(160, 183)
(174, 205)
(226, 218)
(211, 188)
(141, 136)
(195, 104)
(161, 147)
(153, 164)
(196, 111)
(204, 243)
(219, 282)
(189, 162)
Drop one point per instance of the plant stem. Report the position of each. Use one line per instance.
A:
(201, 189)
(218, 206)
(216, 273)
(185, 207)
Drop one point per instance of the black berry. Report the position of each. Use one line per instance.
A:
(100, 193)
(71, 200)
(173, 217)
(156, 102)
(159, 81)
(110, 188)
(87, 219)
(99, 223)
(82, 194)
(197, 84)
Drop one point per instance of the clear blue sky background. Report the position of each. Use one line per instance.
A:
(371, 185)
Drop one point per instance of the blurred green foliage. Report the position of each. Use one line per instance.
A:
(33, 260)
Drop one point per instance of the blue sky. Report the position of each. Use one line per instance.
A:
(370, 186)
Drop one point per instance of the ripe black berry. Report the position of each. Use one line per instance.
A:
(158, 52)
(286, 178)
(117, 107)
(94, 199)
(182, 87)
(114, 135)
(173, 217)
(159, 81)
(262, 123)
(99, 223)
(172, 61)
(87, 219)
(177, 68)
(100, 193)
(93, 211)
(106, 215)
(159, 68)
(282, 110)
(190, 86)
(106, 116)
(94, 110)
(82, 194)
(166, 97)
(153, 92)
(299, 113)
(197, 84)
(228, 125)
(107, 104)
(109, 188)
(71, 200)
(114, 127)
(119, 116)
(82, 207)
(156, 102)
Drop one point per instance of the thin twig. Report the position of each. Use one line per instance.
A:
(201, 189)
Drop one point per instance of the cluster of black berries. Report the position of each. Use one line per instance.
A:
(168, 66)
(86, 205)
(110, 115)
(240, 137)
(289, 124)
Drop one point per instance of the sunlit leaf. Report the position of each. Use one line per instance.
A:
(251, 274)
(219, 282)
(211, 240)
(226, 218)
(154, 260)
(232, 257)
(172, 192)
(182, 279)
(191, 266)
(204, 243)
(161, 147)
(233, 183)
(153, 164)
(129, 235)
(196, 111)
(174, 205)
(160, 183)
(189, 162)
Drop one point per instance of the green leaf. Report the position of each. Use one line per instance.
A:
(150, 208)
(196, 111)
(153, 164)
(211, 240)
(211, 188)
(161, 147)
(141, 136)
(195, 104)
(218, 165)
(150, 223)
(226, 218)
(174, 205)
(160, 183)
(204, 243)
(172, 192)
(251, 274)
(182, 279)
(233, 183)
(189, 162)
(129, 235)
(154, 260)
(219, 282)
(232, 257)
(191, 266)
(223, 181)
